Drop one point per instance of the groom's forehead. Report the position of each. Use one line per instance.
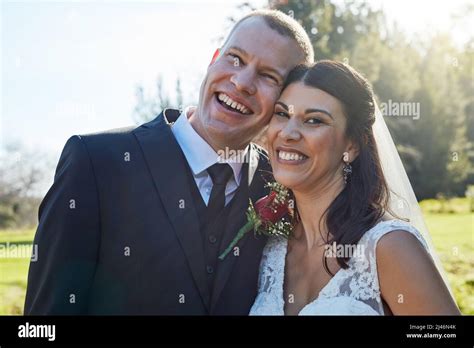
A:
(244, 29)
(255, 37)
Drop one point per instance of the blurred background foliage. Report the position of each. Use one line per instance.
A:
(436, 149)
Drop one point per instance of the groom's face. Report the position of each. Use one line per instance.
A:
(238, 94)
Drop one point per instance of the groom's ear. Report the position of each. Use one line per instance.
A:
(215, 56)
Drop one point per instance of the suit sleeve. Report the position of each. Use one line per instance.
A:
(67, 238)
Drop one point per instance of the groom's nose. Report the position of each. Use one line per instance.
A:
(244, 80)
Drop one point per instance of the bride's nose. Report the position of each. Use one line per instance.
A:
(290, 132)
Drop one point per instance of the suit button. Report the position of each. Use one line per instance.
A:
(212, 239)
(210, 269)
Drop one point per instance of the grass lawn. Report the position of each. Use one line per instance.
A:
(452, 234)
(453, 238)
(13, 274)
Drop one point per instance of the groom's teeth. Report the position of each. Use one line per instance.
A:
(290, 156)
(233, 104)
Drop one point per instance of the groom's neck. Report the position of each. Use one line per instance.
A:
(216, 145)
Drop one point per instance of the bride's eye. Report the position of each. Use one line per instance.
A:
(315, 121)
(281, 114)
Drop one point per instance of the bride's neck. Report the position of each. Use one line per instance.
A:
(311, 206)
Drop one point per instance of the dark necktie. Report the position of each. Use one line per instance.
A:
(220, 174)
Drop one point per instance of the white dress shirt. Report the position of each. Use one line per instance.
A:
(200, 156)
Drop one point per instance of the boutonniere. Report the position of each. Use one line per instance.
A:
(268, 216)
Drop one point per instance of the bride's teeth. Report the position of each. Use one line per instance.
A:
(290, 156)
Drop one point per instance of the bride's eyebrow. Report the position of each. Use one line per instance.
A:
(283, 105)
(309, 111)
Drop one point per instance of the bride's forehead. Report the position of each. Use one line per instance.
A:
(299, 96)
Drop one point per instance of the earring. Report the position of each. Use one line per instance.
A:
(347, 171)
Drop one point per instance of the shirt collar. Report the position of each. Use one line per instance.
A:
(199, 154)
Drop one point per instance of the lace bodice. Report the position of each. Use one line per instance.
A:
(351, 291)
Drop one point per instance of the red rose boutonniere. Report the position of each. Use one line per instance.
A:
(267, 217)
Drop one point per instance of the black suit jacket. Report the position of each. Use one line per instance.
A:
(118, 232)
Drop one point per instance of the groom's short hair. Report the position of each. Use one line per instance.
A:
(286, 26)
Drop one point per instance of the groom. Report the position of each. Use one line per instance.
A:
(136, 218)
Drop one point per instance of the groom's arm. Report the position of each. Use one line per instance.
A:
(67, 237)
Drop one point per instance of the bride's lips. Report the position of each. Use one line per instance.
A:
(290, 156)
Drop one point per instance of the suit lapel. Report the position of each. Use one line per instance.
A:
(167, 165)
(249, 188)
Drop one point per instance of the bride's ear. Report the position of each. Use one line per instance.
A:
(352, 151)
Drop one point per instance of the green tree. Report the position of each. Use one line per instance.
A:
(334, 30)
(147, 108)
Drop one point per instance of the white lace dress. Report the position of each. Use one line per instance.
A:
(351, 291)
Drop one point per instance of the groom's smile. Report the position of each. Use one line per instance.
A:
(233, 104)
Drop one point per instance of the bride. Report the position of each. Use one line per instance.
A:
(322, 145)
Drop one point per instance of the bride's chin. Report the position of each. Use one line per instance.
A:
(286, 181)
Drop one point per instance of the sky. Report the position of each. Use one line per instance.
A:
(72, 67)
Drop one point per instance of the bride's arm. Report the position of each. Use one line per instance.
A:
(409, 280)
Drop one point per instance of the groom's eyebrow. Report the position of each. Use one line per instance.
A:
(241, 50)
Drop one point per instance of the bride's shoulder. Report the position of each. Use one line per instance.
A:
(388, 232)
(396, 247)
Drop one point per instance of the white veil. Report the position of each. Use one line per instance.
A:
(402, 201)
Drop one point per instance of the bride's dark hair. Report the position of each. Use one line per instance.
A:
(364, 199)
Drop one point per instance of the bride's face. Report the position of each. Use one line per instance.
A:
(306, 138)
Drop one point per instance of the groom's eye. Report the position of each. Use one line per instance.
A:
(236, 59)
(270, 77)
